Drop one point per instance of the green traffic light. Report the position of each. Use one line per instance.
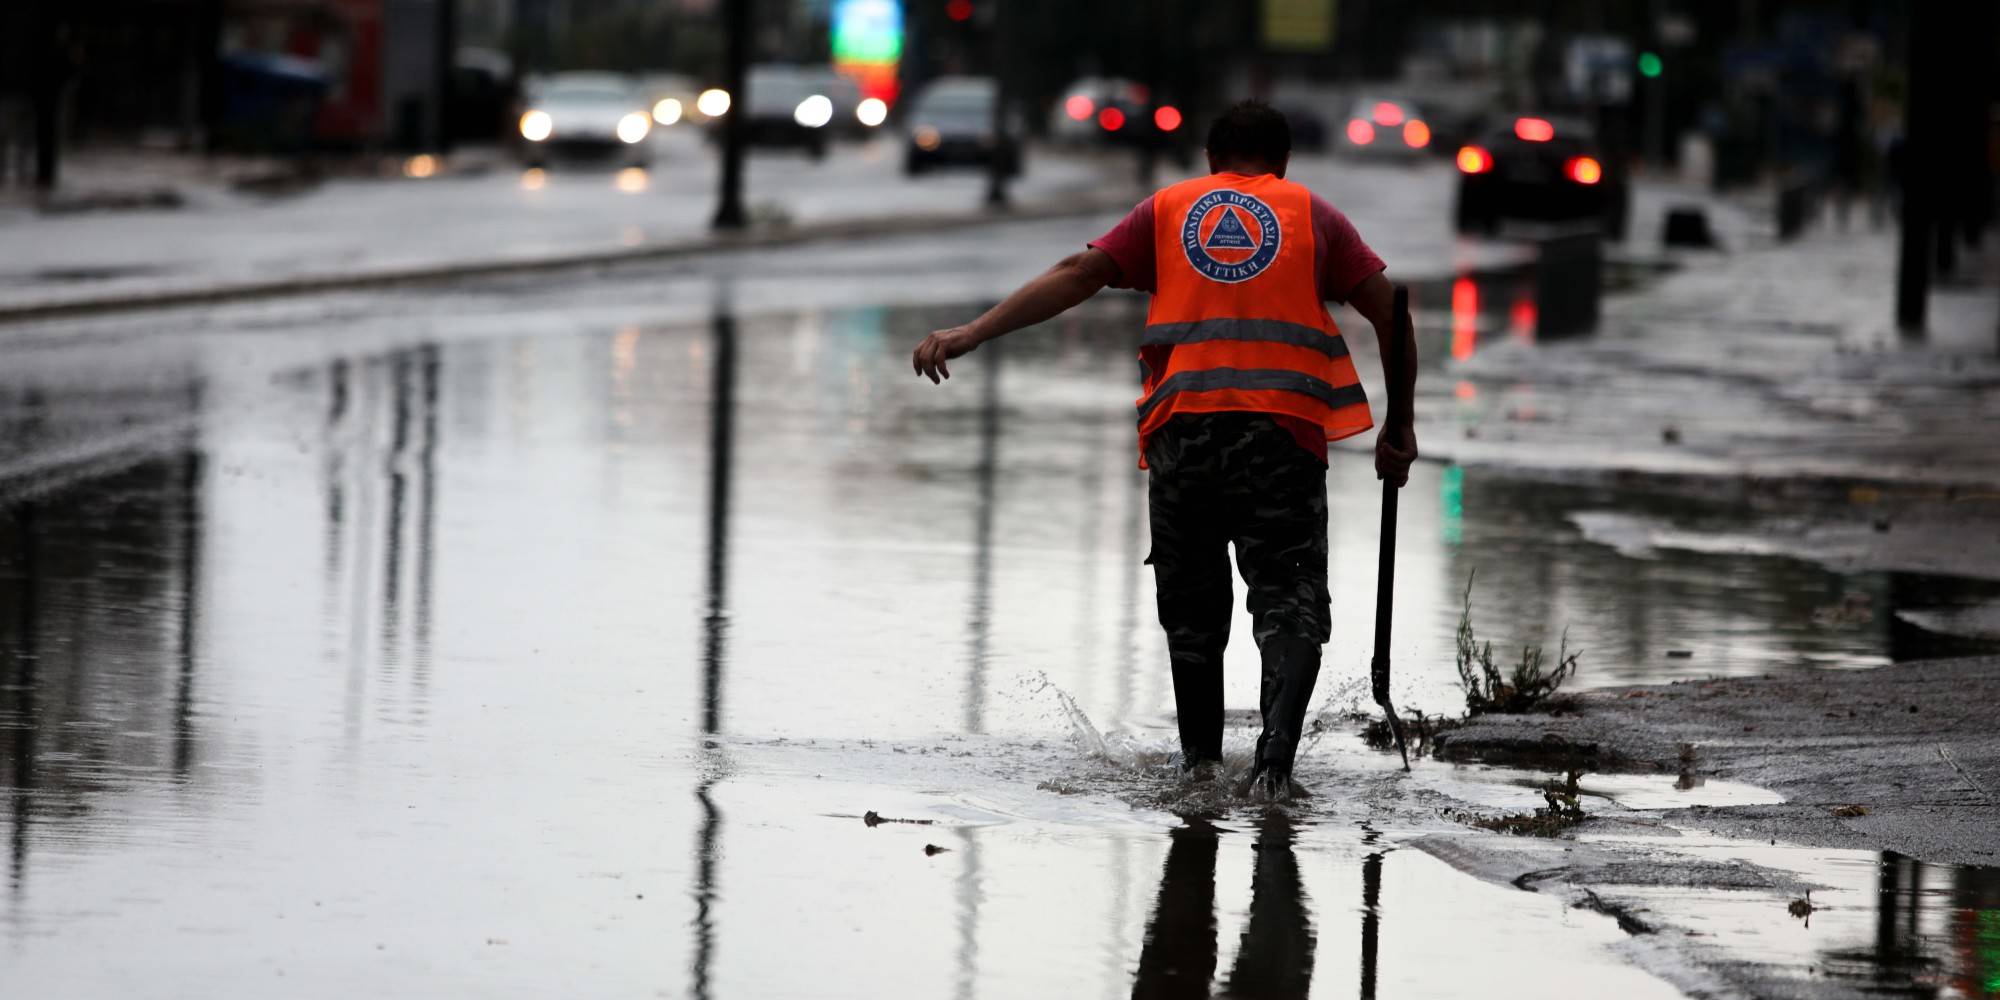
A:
(1649, 64)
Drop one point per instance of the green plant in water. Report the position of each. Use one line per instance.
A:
(1490, 689)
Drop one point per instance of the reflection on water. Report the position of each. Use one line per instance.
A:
(1937, 932)
(715, 631)
(1275, 956)
(421, 649)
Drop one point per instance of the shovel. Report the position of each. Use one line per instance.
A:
(1385, 578)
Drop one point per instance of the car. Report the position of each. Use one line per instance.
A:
(1385, 127)
(951, 122)
(671, 99)
(788, 107)
(585, 113)
(855, 115)
(1111, 111)
(1547, 168)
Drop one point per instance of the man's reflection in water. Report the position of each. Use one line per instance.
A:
(1276, 955)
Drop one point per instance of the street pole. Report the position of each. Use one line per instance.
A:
(1913, 271)
(447, 57)
(1001, 160)
(736, 26)
(46, 79)
(1150, 35)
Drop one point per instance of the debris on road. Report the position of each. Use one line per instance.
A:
(873, 819)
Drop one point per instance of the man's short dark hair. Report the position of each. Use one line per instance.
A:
(1250, 130)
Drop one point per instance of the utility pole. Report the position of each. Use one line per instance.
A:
(1006, 154)
(1149, 33)
(729, 212)
(48, 75)
(1917, 169)
(447, 59)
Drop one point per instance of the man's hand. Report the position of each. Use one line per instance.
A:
(1074, 278)
(942, 346)
(1395, 449)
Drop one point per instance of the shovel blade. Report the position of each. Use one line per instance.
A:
(1379, 673)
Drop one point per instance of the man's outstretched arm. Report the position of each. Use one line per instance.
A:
(1074, 279)
(1396, 445)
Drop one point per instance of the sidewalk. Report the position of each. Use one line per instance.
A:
(483, 214)
(1765, 363)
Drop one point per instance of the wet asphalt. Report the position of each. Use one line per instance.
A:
(552, 634)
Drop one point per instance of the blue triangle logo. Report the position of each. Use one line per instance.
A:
(1229, 234)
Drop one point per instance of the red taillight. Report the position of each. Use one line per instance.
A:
(959, 10)
(1416, 134)
(1583, 170)
(1534, 130)
(1111, 119)
(1473, 160)
(1079, 107)
(1388, 114)
(1359, 132)
(1166, 118)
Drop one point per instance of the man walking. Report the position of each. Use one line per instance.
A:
(1246, 380)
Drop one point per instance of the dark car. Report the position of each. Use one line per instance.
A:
(952, 122)
(789, 106)
(1115, 112)
(1541, 168)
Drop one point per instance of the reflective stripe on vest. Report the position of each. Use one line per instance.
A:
(1236, 322)
(1271, 330)
(1211, 379)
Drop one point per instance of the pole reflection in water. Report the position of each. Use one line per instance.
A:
(17, 696)
(970, 895)
(414, 407)
(715, 634)
(986, 479)
(1275, 956)
(429, 365)
(392, 564)
(191, 467)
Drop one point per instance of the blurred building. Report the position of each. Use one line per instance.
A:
(258, 74)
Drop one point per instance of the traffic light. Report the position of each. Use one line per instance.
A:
(1650, 64)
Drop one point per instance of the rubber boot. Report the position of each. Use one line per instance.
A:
(1198, 708)
(1291, 667)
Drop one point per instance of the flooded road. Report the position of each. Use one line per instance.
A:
(520, 639)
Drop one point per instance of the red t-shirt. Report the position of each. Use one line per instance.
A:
(1340, 259)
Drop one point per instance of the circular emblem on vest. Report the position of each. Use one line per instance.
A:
(1230, 237)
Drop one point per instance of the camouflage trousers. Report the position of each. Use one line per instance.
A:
(1223, 479)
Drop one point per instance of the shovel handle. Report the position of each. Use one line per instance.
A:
(1385, 574)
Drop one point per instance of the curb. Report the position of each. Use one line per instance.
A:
(459, 270)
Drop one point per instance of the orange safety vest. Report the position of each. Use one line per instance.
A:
(1236, 321)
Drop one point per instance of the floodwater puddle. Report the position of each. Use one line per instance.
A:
(1871, 923)
(510, 641)
(1517, 790)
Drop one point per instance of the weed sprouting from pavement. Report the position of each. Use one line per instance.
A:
(1528, 685)
(1420, 729)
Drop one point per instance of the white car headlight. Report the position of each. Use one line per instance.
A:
(537, 125)
(814, 111)
(668, 111)
(633, 127)
(713, 102)
(872, 111)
